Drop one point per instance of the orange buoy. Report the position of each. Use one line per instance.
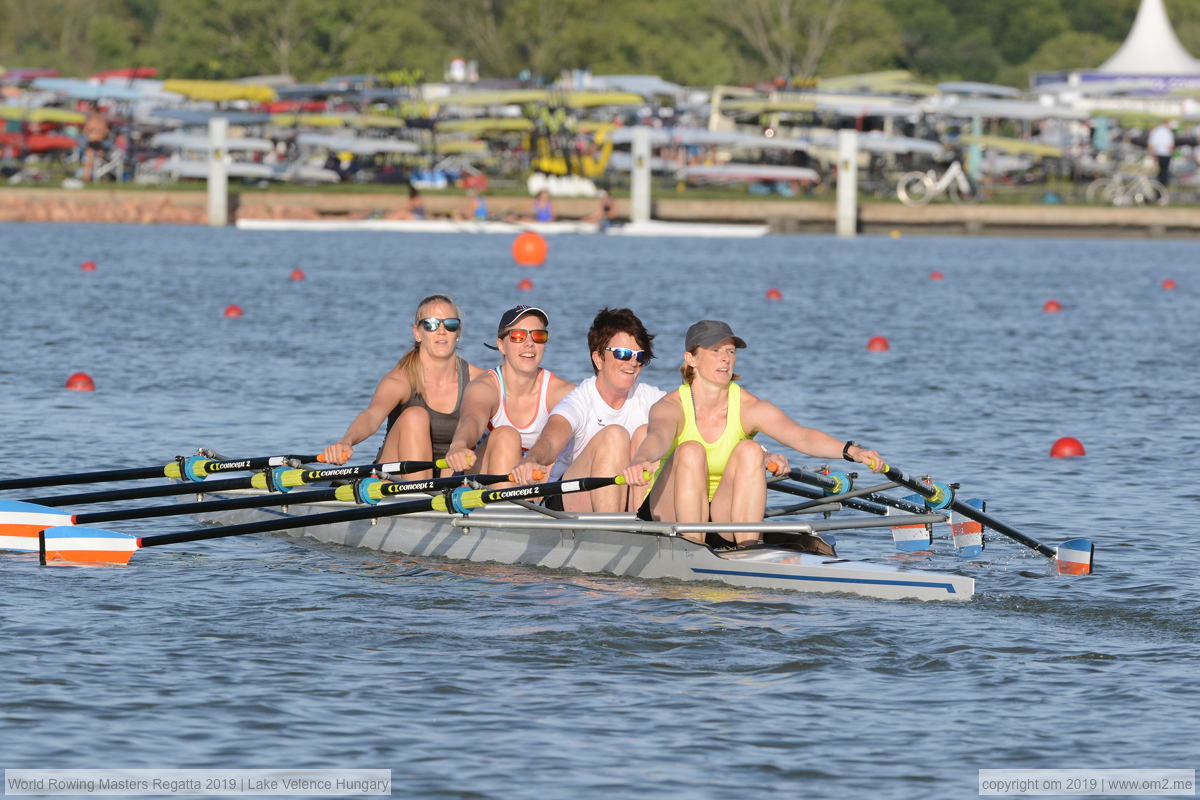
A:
(1169, 284)
(88, 266)
(233, 311)
(936, 276)
(81, 382)
(1052, 307)
(774, 294)
(878, 344)
(297, 275)
(1067, 447)
(525, 285)
(530, 249)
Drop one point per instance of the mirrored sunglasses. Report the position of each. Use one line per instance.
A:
(624, 354)
(539, 336)
(450, 323)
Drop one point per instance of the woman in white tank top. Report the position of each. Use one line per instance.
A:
(510, 403)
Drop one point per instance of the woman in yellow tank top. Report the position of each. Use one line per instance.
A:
(699, 446)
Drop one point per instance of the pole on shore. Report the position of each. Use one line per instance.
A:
(847, 183)
(640, 176)
(218, 177)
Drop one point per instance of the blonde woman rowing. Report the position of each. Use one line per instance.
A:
(420, 397)
(706, 466)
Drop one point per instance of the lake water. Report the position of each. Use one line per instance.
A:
(475, 681)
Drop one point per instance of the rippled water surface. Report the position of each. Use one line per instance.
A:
(484, 681)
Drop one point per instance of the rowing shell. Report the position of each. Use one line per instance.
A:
(647, 228)
(616, 544)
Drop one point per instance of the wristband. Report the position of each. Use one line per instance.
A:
(846, 449)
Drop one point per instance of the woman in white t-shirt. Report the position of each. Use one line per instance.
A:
(596, 428)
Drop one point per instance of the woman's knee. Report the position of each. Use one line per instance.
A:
(413, 418)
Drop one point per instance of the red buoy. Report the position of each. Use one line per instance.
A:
(81, 382)
(530, 249)
(1052, 307)
(233, 311)
(88, 266)
(297, 275)
(525, 285)
(1169, 284)
(877, 344)
(1067, 447)
(936, 276)
(774, 294)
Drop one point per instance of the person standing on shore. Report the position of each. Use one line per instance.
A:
(1160, 143)
(95, 132)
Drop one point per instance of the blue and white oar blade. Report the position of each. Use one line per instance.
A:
(20, 524)
(910, 538)
(1074, 557)
(967, 534)
(79, 545)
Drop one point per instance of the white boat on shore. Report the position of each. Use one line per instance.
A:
(648, 228)
(617, 544)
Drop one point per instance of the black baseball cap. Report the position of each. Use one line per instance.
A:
(708, 332)
(515, 313)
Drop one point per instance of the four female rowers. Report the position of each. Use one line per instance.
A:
(687, 456)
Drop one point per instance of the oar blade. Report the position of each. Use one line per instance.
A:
(72, 545)
(966, 533)
(21, 522)
(911, 538)
(1074, 557)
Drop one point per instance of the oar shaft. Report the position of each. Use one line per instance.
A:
(142, 492)
(970, 512)
(301, 521)
(474, 498)
(816, 494)
(207, 466)
(275, 499)
(817, 479)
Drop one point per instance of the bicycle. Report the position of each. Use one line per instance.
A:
(1126, 189)
(918, 188)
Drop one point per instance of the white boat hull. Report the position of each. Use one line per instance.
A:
(610, 544)
(650, 228)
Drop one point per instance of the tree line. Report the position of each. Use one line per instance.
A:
(693, 42)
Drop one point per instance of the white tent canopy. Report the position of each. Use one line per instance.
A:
(1151, 48)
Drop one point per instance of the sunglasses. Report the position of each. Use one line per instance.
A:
(449, 323)
(539, 336)
(624, 354)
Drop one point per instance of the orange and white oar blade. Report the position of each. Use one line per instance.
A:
(20, 524)
(79, 545)
(1074, 557)
(911, 538)
(966, 533)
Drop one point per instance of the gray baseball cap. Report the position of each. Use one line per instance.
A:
(708, 332)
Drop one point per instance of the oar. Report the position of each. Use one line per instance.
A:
(20, 521)
(192, 468)
(816, 494)
(1073, 557)
(837, 483)
(76, 545)
(282, 478)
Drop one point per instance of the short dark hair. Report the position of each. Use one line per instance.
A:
(611, 321)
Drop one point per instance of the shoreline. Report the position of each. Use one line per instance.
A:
(798, 217)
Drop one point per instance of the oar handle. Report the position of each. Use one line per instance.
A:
(938, 495)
